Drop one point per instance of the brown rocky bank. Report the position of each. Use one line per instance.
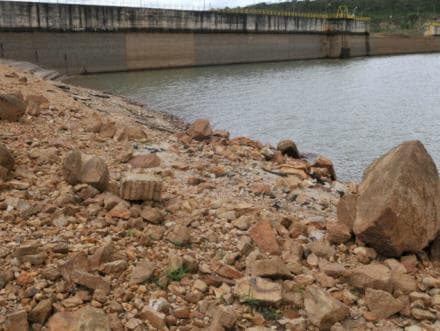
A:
(113, 217)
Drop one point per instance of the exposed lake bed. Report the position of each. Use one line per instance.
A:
(348, 110)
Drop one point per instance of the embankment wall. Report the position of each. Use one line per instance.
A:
(396, 44)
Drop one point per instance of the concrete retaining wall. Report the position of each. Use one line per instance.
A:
(83, 52)
(391, 44)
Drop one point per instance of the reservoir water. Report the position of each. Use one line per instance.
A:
(349, 110)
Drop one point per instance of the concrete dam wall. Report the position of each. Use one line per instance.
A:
(84, 39)
(60, 17)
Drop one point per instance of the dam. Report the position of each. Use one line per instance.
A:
(77, 39)
(85, 39)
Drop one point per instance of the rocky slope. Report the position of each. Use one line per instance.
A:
(116, 217)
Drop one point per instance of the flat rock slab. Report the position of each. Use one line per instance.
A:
(260, 289)
(87, 318)
(264, 237)
(322, 309)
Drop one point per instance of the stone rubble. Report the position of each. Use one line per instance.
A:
(116, 217)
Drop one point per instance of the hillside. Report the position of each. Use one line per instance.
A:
(396, 16)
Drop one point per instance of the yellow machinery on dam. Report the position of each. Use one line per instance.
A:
(433, 29)
(342, 13)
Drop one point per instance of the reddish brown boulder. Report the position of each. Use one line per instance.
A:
(72, 167)
(94, 172)
(375, 276)
(87, 318)
(152, 215)
(264, 237)
(338, 232)
(271, 268)
(145, 161)
(200, 130)
(81, 168)
(155, 319)
(17, 321)
(382, 304)
(322, 309)
(226, 271)
(90, 281)
(346, 209)
(41, 312)
(398, 206)
(12, 107)
(326, 167)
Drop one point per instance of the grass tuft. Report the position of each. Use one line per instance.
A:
(177, 274)
(269, 313)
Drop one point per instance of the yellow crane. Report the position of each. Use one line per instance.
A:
(343, 12)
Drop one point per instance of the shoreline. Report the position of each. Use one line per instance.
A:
(241, 236)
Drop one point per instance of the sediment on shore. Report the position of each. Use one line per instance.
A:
(118, 217)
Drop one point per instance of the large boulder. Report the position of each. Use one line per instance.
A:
(382, 304)
(322, 309)
(81, 168)
(375, 276)
(398, 205)
(94, 172)
(200, 130)
(12, 107)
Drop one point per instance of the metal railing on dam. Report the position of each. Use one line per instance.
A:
(330, 16)
(238, 10)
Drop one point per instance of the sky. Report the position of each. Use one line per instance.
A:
(179, 4)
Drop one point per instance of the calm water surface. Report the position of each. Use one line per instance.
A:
(351, 110)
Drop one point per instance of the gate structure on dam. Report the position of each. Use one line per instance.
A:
(433, 29)
(81, 38)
